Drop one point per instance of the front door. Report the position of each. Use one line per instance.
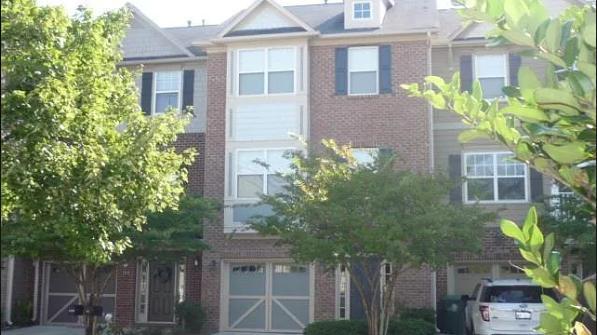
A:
(161, 292)
(267, 297)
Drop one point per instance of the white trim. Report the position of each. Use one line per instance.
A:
(346, 294)
(155, 92)
(256, 4)
(495, 178)
(265, 71)
(265, 172)
(362, 18)
(35, 289)
(144, 318)
(376, 71)
(9, 287)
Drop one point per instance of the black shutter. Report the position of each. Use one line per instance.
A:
(341, 71)
(536, 186)
(188, 86)
(146, 91)
(385, 69)
(466, 73)
(455, 173)
(514, 62)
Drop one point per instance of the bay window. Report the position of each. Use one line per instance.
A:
(491, 71)
(495, 177)
(363, 70)
(167, 91)
(256, 172)
(266, 71)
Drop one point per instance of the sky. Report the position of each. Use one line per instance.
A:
(172, 13)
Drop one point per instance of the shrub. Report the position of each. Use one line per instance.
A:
(190, 315)
(411, 327)
(23, 312)
(427, 314)
(336, 327)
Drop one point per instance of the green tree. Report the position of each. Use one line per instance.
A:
(547, 123)
(336, 212)
(80, 161)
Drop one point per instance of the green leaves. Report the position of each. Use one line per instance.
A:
(589, 294)
(512, 230)
(566, 154)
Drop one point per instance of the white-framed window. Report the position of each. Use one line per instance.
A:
(492, 73)
(342, 293)
(362, 10)
(266, 71)
(495, 177)
(256, 172)
(365, 156)
(363, 70)
(167, 90)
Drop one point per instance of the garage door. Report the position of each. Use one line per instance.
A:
(467, 276)
(267, 297)
(61, 292)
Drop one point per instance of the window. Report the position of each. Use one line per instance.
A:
(256, 172)
(343, 297)
(167, 91)
(362, 10)
(266, 70)
(516, 294)
(363, 70)
(365, 156)
(493, 177)
(491, 71)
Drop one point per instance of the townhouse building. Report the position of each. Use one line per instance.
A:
(270, 76)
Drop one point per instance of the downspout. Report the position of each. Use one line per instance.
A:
(431, 160)
(35, 289)
(9, 287)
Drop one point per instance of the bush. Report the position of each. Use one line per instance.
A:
(427, 314)
(336, 327)
(411, 327)
(190, 315)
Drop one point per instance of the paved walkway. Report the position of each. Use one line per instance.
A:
(44, 330)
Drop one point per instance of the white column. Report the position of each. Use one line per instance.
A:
(9, 287)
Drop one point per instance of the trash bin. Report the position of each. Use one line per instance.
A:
(450, 315)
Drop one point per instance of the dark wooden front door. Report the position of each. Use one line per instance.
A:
(161, 292)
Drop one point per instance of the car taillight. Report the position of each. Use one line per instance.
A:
(484, 313)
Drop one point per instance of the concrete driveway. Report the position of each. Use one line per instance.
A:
(44, 330)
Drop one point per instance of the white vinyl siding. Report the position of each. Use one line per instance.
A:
(492, 73)
(265, 122)
(495, 177)
(363, 70)
(266, 71)
(256, 172)
(167, 91)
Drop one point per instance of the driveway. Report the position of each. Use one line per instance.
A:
(44, 330)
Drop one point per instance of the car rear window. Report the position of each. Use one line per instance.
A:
(515, 294)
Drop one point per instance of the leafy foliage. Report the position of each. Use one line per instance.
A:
(191, 316)
(337, 212)
(561, 317)
(81, 164)
(550, 123)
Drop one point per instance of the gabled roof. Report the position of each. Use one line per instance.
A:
(138, 15)
(228, 29)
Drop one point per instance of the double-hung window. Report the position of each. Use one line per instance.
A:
(362, 10)
(495, 177)
(266, 71)
(167, 91)
(365, 156)
(363, 70)
(256, 172)
(492, 73)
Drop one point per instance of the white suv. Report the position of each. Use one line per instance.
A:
(505, 307)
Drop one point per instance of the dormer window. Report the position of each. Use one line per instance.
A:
(362, 10)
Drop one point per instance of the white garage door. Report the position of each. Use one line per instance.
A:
(267, 297)
(466, 276)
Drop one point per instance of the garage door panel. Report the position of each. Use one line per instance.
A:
(247, 313)
(61, 281)
(290, 280)
(290, 314)
(247, 280)
(56, 311)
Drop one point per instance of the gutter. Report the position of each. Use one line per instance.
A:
(163, 60)
(9, 287)
(374, 34)
(256, 38)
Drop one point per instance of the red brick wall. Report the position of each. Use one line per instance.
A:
(387, 120)
(196, 171)
(124, 311)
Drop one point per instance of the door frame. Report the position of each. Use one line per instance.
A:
(268, 263)
(144, 318)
